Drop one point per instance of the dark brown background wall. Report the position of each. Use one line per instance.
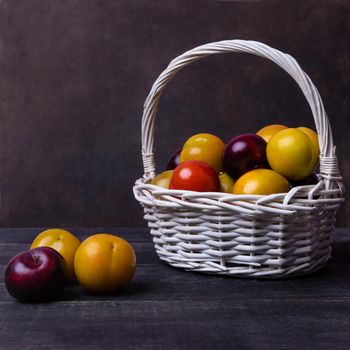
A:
(74, 75)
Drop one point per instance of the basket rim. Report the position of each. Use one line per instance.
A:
(298, 199)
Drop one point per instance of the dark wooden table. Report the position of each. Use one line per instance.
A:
(167, 308)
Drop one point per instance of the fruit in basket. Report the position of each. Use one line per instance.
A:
(104, 263)
(174, 160)
(62, 241)
(261, 181)
(163, 179)
(194, 175)
(244, 153)
(314, 140)
(291, 153)
(268, 131)
(207, 148)
(36, 275)
(226, 183)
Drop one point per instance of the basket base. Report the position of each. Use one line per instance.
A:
(251, 272)
(210, 268)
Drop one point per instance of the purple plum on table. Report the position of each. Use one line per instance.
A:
(36, 275)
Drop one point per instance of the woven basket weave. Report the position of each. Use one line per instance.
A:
(242, 235)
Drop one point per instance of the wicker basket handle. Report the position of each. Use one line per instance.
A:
(328, 160)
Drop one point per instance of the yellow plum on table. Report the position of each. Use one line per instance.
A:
(104, 263)
(63, 242)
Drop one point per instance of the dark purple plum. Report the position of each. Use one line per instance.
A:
(174, 160)
(309, 180)
(244, 153)
(36, 275)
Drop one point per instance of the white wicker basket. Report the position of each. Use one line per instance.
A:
(240, 235)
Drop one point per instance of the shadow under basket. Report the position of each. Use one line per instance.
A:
(277, 235)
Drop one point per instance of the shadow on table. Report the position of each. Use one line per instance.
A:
(75, 292)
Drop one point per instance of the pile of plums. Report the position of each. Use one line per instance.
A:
(272, 160)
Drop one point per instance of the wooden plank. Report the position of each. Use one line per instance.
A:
(163, 282)
(13, 241)
(26, 235)
(145, 252)
(155, 279)
(147, 256)
(249, 324)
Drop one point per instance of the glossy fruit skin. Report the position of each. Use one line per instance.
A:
(262, 182)
(163, 179)
(244, 153)
(174, 160)
(207, 148)
(63, 242)
(194, 175)
(290, 152)
(104, 263)
(309, 180)
(268, 131)
(36, 275)
(314, 140)
(226, 183)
